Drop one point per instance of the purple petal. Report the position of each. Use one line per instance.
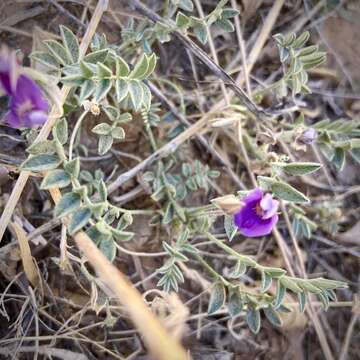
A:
(26, 88)
(36, 118)
(260, 227)
(246, 217)
(12, 120)
(269, 205)
(254, 196)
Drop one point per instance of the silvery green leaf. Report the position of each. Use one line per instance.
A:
(46, 59)
(225, 24)
(266, 281)
(295, 65)
(179, 211)
(230, 227)
(152, 59)
(162, 32)
(118, 133)
(122, 89)
(339, 158)
(125, 220)
(301, 40)
(98, 209)
(60, 131)
(217, 298)
(239, 270)
(72, 167)
(279, 296)
(108, 248)
(96, 236)
(73, 80)
(308, 50)
(86, 90)
(182, 21)
(186, 169)
(324, 300)
(79, 219)
(313, 60)
(146, 96)
(140, 68)
(103, 72)
(328, 284)
(105, 143)
(86, 176)
(41, 162)
(284, 54)
(286, 192)
(86, 70)
(302, 301)
(289, 39)
(103, 227)
(282, 89)
(186, 5)
(235, 304)
(67, 204)
(279, 39)
(58, 51)
(55, 178)
(112, 112)
(272, 316)
(96, 56)
(200, 30)
(355, 153)
(81, 190)
(71, 43)
(229, 13)
(213, 173)
(42, 147)
(122, 68)
(274, 272)
(124, 118)
(122, 236)
(265, 182)
(296, 84)
(102, 129)
(136, 94)
(102, 190)
(168, 214)
(253, 319)
(98, 41)
(331, 294)
(102, 88)
(290, 284)
(301, 168)
(327, 150)
(191, 183)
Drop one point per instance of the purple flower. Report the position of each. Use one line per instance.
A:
(28, 106)
(259, 214)
(308, 136)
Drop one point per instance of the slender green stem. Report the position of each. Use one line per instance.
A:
(211, 271)
(247, 259)
(74, 133)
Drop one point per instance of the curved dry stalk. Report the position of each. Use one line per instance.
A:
(161, 345)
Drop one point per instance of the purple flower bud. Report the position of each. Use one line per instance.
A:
(28, 106)
(308, 136)
(259, 214)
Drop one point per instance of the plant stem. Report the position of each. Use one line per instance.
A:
(212, 271)
(247, 259)
(75, 130)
